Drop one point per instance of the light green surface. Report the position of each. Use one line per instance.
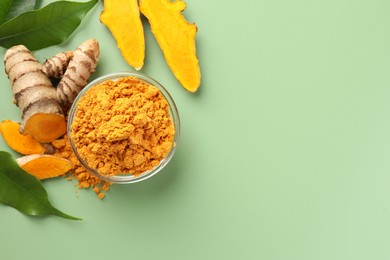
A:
(284, 152)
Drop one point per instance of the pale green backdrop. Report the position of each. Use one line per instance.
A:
(284, 152)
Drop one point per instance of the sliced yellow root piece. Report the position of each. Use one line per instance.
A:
(122, 18)
(44, 166)
(45, 127)
(176, 38)
(24, 144)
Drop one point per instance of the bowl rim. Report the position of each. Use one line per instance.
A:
(173, 112)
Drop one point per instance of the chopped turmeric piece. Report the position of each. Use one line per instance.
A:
(59, 143)
(24, 144)
(44, 166)
(45, 127)
(176, 38)
(122, 17)
(101, 195)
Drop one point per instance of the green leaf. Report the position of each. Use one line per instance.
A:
(20, 6)
(23, 191)
(12, 8)
(44, 27)
(5, 7)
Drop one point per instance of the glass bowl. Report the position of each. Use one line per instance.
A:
(125, 178)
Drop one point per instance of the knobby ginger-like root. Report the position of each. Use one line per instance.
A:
(176, 38)
(80, 67)
(43, 106)
(24, 144)
(122, 17)
(42, 115)
(44, 166)
(56, 66)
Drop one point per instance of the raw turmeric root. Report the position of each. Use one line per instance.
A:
(56, 66)
(76, 76)
(44, 166)
(122, 17)
(24, 144)
(42, 116)
(176, 38)
(43, 106)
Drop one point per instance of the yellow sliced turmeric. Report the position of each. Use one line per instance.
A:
(44, 166)
(45, 127)
(176, 38)
(24, 144)
(122, 17)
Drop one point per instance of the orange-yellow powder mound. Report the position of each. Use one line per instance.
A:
(123, 126)
(78, 172)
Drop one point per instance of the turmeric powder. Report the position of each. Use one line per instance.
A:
(85, 179)
(123, 127)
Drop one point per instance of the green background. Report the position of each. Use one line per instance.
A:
(284, 151)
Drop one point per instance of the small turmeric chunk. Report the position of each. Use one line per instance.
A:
(101, 195)
(59, 143)
(122, 18)
(44, 166)
(96, 190)
(176, 38)
(24, 144)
